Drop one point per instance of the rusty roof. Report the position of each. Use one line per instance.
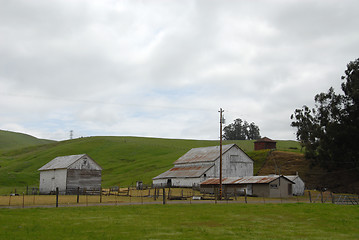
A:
(203, 154)
(184, 172)
(265, 139)
(243, 180)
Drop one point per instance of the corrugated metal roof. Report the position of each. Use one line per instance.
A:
(242, 180)
(265, 139)
(203, 154)
(61, 162)
(290, 177)
(184, 172)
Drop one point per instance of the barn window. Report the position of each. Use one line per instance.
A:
(273, 186)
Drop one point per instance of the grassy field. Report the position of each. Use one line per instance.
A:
(12, 140)
(124, 160)
(195, 221)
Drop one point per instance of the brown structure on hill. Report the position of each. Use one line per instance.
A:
(264, 143)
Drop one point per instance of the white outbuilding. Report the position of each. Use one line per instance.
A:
(203, 163)
(299, 186)
(70, 174)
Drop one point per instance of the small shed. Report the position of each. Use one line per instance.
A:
(68, 173)
(299, 186)
(264, 143)
(261, 186)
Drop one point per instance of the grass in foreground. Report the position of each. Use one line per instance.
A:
(196, 221)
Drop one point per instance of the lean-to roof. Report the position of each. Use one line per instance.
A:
(243, 180)
(184, 172)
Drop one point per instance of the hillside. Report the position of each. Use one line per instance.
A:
(12, 140)
(289, 163)
(124, 159)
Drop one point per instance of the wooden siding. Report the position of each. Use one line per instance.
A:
(84, 178)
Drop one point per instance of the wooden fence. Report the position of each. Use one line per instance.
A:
(131, 195)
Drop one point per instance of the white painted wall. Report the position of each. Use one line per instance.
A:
(51, 179)
(235, 163)
(298, 187)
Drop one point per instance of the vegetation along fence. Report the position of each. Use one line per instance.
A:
(149, 195)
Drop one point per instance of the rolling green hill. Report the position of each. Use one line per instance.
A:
(12, 140)
(124, 159)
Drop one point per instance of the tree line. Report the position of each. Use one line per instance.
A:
(330, 131)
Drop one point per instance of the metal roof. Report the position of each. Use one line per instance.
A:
(243, 180)
(184, 172)
(203, 154)
(265, 139)
(61, 162)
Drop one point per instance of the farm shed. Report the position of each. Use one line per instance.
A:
(264, 143)
(70, 172)
(299, 186)
(261, 186)
(199, 164)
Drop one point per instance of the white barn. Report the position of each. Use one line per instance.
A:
(200, 164)
(69, 173)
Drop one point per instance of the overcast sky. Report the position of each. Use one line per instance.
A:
(164, 68)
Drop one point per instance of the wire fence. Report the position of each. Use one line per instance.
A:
(147, 195)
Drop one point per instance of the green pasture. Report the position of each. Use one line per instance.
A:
(124, 160)
(183, 221)
(13, 140)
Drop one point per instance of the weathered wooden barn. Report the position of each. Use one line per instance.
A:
(265, 143)
(69, 173)
(261, 186)
(199, 164)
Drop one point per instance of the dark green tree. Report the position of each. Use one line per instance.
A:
(330, 131)
(241, 130)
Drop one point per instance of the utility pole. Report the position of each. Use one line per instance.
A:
(220, 152)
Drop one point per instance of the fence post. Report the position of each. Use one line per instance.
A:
(164, 196)
(23, 200)
(100, 194)
(321, 196)
(245, 195)
(10, 199)
(154, 195)
(333, 198)
(57, 197)
(215, 195)
(141, 196)
(78, 195)
(310, 197)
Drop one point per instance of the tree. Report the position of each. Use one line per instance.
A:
(240, 130)
(330, 131)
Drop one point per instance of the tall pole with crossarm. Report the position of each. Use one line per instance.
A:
(220, 152)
